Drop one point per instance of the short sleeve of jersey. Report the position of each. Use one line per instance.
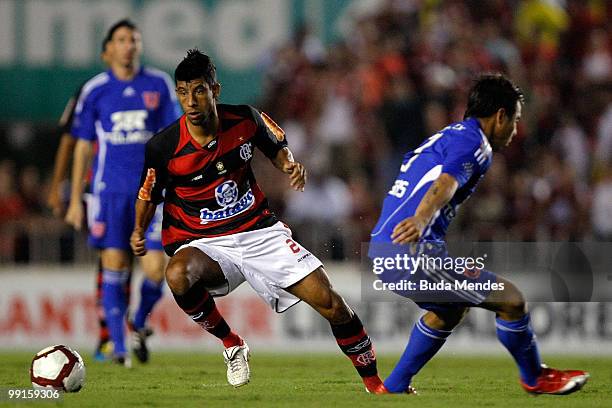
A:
(84, 120)
(461, 159)
(65, 122)
(269, 137)
(154, 177)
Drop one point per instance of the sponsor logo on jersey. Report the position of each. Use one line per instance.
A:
(246, 151)
(127, 92)
(226, 195)
(129, 120)
(150, 99)
(128, 127)
(211, 144)
(301, 258)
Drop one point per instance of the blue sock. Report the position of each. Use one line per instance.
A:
(424, 343)
(150, 293)
(518, 338)
(114, 301)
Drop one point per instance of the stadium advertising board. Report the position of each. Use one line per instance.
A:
(34, 315)
(50, 47)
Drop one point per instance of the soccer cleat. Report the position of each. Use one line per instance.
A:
(237, 361)
(381, 389)
(123, 361)
(139, 343)
(104, 350)
(374, 385)
(557, 382)
(411, 390)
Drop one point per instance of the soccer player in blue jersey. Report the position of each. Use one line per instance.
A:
(434, 180)
(120, 109)
(55, 202)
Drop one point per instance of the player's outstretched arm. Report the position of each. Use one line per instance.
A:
(82, 155)
(438, 195)
(296, 171)
(60, 169)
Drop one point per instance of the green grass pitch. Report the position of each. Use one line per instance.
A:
(304, 380)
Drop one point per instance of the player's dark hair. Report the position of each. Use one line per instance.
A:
(196, 65)
(111, 31)
(490, 93)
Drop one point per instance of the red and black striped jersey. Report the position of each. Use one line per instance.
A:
(210, 190)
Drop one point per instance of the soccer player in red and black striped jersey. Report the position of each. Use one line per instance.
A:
(217, 225)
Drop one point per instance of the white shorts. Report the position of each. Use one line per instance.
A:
(266, 258)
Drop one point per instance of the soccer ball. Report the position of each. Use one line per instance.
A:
(59, 368)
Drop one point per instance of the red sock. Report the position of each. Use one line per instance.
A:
(231, 340)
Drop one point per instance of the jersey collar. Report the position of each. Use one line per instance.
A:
(114, 78)
(210, 146)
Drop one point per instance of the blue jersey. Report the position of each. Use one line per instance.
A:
(122, 116)
(461, 150)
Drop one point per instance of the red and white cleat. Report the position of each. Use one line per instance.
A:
(557, 382)
(378, 387)
(374, 385)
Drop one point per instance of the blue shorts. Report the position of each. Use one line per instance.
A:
(439, 282)
(111, 219)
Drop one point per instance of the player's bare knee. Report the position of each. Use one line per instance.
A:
(515, 308)
(338, 311)
(446, 320)
(514, 305)
(176, 276)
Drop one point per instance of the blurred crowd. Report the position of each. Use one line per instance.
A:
(402, 71)
(26, 230)
(399, 72)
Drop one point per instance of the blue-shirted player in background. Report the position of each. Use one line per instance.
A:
(434, 180)
(120, 109)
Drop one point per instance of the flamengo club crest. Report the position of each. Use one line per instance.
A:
(246, 151)
(150, 99)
